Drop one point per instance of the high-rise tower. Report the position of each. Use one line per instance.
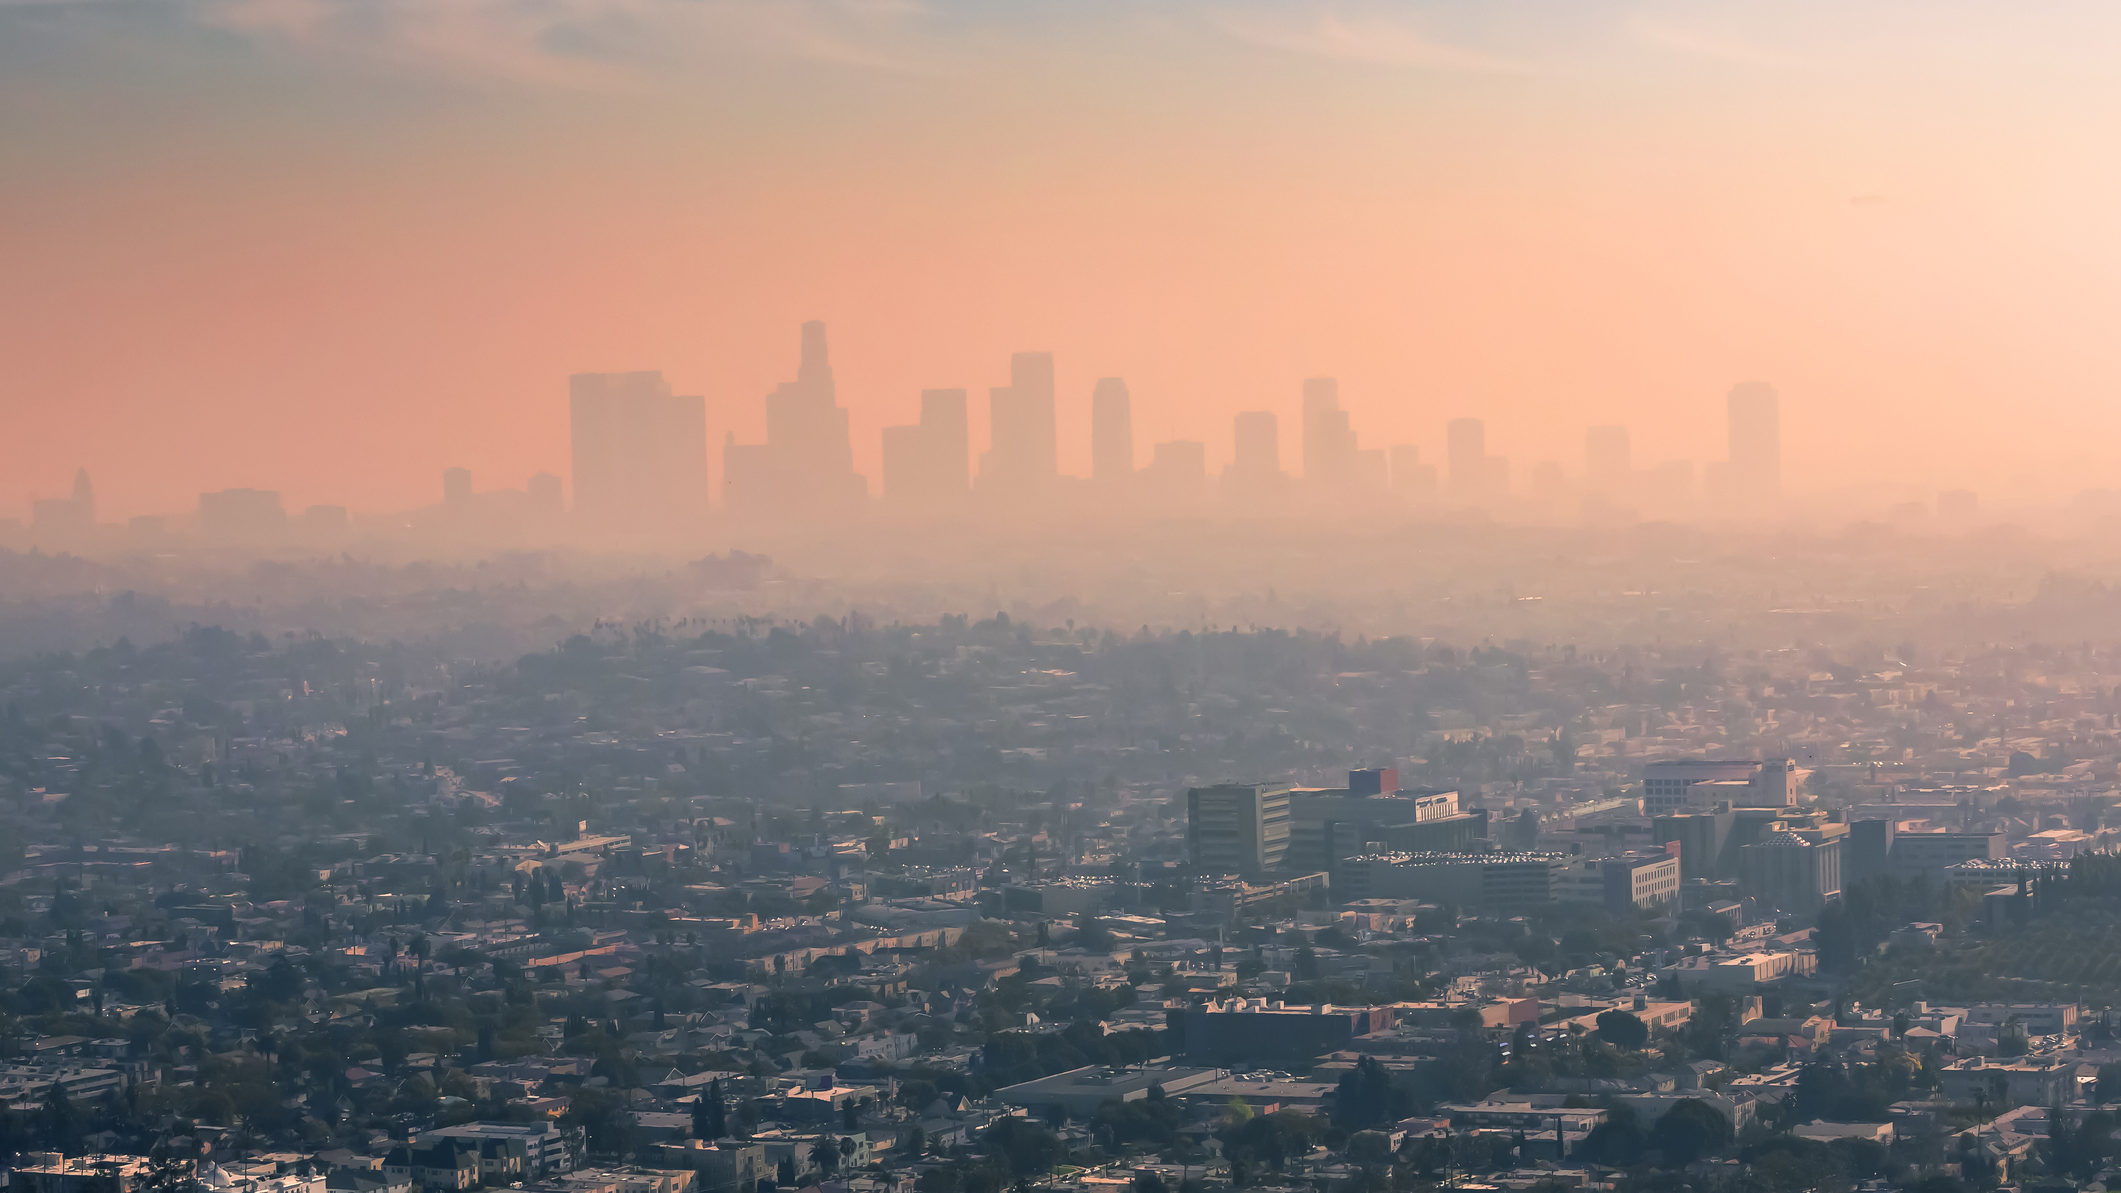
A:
(1111, 431)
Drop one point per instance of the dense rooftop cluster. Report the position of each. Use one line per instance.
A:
(746, 905)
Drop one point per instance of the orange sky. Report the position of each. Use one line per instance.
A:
(333, 246)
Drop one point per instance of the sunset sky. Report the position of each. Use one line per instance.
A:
(333, 246)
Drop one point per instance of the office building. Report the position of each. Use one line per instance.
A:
(1647, 879)
(640, 455)
(547, 501)
(1328, 826)
(1258, 442)
(456, 488)
(241, 516)
(1237, 828)
(1669, 787)
(1250, 1032)
(1794, 872)
(930, 460)
(1472, 475)
(1474, 881)
(69, 517)
(1177, 471)
(1928, 854)
(806, 465)
(1329, 442)
(1023, 450)
(1413, 480)
(1754, 468)
(1111, 431)
(1703, 838)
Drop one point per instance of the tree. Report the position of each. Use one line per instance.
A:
(1622, 1029)
(709, 1118)
(1689, 1131)
(1025, 1147)
(168, 1172)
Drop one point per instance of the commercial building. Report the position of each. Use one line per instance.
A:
(640, 454)
(1327, 825)
(542, 1146)
(1259, 1031)
(1670, 787)
(1482, 881)
(929, 460)
(806, 464)
(1023, 452)
(1648, 879)
(1237, 828)
(1930, 855)
(1111, 431)
(1793, 871)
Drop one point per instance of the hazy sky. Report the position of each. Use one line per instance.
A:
(331, 246)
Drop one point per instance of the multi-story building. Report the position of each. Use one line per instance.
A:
(1252, 1031)
(1648, 879)
(1479, 881)
(1792, 871)
(1237, 828)
(1670, 787)
(541, 1147)
(1930, 855)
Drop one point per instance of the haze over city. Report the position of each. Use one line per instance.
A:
(918, 596)
(332, 249)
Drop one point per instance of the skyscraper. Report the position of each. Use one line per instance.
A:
(66, 517)
(1329, 442)
(456, 488)
(806, 465)
(546, 501)
(1023, 453)
(1608, 465)
(640, 455)
(1412, 479)
(1111, 431)
(1755, 476)
(927, 461)
(1258, 455)
(1177, 471)
(945, 424)
(1466, 455)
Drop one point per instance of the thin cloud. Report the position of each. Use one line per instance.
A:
(1376, 37)
(583, 43)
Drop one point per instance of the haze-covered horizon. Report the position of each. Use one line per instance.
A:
(331, 249)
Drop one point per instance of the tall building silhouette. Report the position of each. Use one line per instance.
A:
(1755, 474)
(456, 488)
(806, 465)
(1466, 456)
(1023, 451)
(546, 500)
(1178, 471)
(640, 454)
(1258, 437)
(66, 517)
(1411, 478)
(1329, 442)
(1608, 462)
(928, 460)
(1111, 431)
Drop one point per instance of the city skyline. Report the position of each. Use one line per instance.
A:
(644, 467)
(332, 258)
